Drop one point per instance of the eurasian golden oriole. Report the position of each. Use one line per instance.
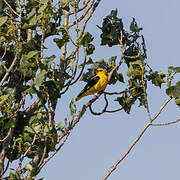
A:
(96, 84)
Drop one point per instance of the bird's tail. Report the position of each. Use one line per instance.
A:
(80, 95)
(78, 98)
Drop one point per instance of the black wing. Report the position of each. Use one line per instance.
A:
(90, 84)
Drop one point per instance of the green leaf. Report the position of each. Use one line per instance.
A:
(120, 77)
(174, 90)
(134, 27)
(59, 126)
(29, 167)
(3, 19)
(111, 29)
(3, 99)
(13, 176)
(29, 129)
(177, 101)
(59, 42)
(87, 38)
(126, 102)
(32, 17)
(42, 8)
(73, 108)
(40, 77)
(32, 90)
(175, 69)
(116, 77)
(29, 26)
(2, 39)
(37, 128)
(9, 124)
(30, 55)
(136, 69)
(64, 4)
(90, 49)
(157, 78)
(64, 39)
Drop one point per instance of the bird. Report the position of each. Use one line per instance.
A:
(96, 84)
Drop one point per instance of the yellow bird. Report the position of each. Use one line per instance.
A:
(96, 84)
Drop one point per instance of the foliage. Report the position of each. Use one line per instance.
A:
(30, 131)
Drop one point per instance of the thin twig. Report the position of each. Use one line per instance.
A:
(29, 148)
(165, 124)
(114, 69)
(17, 42)
(131, 57)
(9, 70)
(104, 109)
(4, 146)
(19, 25)
(116, 110)
(145, 97)
(83, 16)
(7, 165)
(1, 59)
(11, 8)
(52, 155)
(121, 92)
(127, 152)
(19, 171)
(82, 8)
(27, 110)
(70, 83)
(7, 136)
(84, 63)
(139, 136)
(161, 108)
(44, 153)
(95, 5)
(42, 38)
(63, 61)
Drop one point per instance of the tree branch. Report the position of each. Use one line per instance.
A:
(4, 146)
(63, 48)
(7, 136)
(121, 92)
(52, 155)
(114, 69)
(139, 136)
(1, 59)
(9, 70)
(82, 8)
(27, 110)
(161, 108)
(4, 171)
(165, 124)
(11, 8)
(19, 170)
(145, 97)
(127, 152)
(116, 110)
(104, 109)
(83, 16)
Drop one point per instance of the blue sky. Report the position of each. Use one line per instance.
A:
(97, 142)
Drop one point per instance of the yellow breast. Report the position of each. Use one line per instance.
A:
(102, 83)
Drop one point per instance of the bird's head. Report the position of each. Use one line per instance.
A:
(100, 70)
